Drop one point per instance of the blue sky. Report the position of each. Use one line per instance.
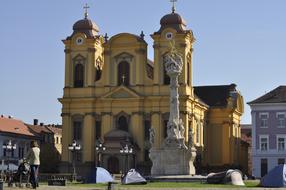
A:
(240, 42)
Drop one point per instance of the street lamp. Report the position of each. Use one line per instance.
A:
(9, 147)
(99, 149)
(74, 147)
(126, 150)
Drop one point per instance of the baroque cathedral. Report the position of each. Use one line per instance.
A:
(113, 94)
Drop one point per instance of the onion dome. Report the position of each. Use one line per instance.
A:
(173, 20)
(86, 26)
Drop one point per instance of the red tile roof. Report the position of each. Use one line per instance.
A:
(10, 125)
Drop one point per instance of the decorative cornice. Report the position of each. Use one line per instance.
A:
(89, 113)
(155, 112)
(106, 113)
(138, 113)
(91, 50)
(67, 51)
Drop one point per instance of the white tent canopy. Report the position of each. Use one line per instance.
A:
(100, 175)
(133, 177)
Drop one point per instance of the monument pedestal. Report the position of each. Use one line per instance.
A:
(172, 161)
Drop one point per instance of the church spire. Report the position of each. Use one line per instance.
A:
(86, 7)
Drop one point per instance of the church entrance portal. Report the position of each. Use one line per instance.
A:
(113, 165)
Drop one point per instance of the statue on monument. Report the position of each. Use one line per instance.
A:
(152, 137)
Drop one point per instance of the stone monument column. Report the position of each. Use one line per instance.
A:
(174, 157)
(175, 128)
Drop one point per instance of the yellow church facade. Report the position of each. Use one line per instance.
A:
(113, 94)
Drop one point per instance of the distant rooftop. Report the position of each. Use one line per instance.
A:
(278, 95)
(14, 126)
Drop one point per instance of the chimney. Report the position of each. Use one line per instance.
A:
(41, 124)
(36, 121)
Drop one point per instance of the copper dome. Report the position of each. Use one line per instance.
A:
(173, 20)
(86, 26)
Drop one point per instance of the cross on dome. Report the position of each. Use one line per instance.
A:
(86, 7)
(174, 5)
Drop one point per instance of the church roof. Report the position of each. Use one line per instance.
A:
(278, 95)
(214, 96)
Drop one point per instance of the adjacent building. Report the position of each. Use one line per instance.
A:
(50, 137)
(21, 134)
(246, 139)
(268, 131)
(14, 131)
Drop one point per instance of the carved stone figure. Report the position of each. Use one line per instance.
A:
(191, 138)
(152, 136)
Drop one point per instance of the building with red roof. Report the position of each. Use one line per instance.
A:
(19, 134)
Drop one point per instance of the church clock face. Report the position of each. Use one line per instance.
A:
(79, 41)
(169, 35)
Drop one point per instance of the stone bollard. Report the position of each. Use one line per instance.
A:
(111, 186)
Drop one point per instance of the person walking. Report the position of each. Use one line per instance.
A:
(33, 158)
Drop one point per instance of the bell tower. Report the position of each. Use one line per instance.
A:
(173, 33)
(83, 54)
(83, 65)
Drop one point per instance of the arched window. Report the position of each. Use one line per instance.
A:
(123, 73)
(78, 76)
(98, 67)
(122, 123)
(77, 130)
